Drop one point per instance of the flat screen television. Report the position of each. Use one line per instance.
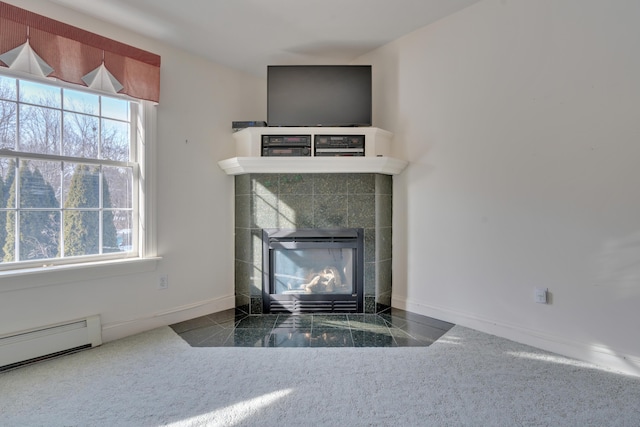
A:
(319, 95)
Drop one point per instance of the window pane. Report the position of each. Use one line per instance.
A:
(8, 111)
(117, 187)
(81, 186)
(81, 102)
(115, 108)
(39, 234)
(7, 174)
(39, 130)
(7, 88)
(115, 140)
(8, 248)
(81, 232)
(40, 94)
(109, 232)
(124, 230)
(39, 184)
(7, 199)
(80, 135)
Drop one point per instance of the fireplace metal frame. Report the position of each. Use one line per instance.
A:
(312, 238)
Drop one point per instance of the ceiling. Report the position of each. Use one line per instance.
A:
(248, 35)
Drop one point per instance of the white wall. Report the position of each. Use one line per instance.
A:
(198, 101)
(521, 122)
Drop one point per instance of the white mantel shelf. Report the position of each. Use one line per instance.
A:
(250, 160)
(243, 165)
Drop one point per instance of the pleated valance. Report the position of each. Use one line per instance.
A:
(42, 46)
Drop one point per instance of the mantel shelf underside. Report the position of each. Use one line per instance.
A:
(244, 165)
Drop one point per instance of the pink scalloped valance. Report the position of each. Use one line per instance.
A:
(74, 55)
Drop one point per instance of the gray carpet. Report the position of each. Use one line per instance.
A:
(466, 378)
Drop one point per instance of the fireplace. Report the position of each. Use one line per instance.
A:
(313, 270)
(313, 201)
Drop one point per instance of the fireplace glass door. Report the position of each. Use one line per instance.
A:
(312, 270)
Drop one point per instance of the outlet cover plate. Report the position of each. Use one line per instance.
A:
(541, 295)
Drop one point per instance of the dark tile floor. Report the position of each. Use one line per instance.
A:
(232, 328)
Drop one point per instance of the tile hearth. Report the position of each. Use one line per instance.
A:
(234, 328)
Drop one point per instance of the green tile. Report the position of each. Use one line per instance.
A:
(243, 277)
(243, 249)
(383, 210)
(373, 338)
(196, 336)
(394, 321)
(362, 211)
(331, 337)
(242, 302)
(218, 339)
(257, 322)
(422, 332)
(187, 325)
(370, 305)
(383, 277)
(369, 279)
(330, 321)
(243, 211)
(256, 249)
(384, 184)
(296, 184)
(361, 183)
(284, 337)
(295, 321)
(380, 307)
(404, 339)
(366, 322)
(295, 211)
(383, 249)
(256, 303)
(242, 184)
(226, 318)
(330, 211)
(330, 183)
(383, 301)
(264, 183)
(265, 211)
(369, 244)
(251, 337)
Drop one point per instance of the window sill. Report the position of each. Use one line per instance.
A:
(54, 275)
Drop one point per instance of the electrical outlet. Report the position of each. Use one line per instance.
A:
(163, 282)
(541, 295)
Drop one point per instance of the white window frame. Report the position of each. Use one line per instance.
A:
(143, 134)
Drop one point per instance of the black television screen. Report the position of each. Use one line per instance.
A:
(319, 95)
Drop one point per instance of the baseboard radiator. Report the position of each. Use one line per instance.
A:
(27, 346)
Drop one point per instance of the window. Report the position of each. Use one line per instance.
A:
(69, 175)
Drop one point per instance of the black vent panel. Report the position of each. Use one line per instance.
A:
(317, 306)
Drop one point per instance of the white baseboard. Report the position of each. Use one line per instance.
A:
(595, 354)
(117, 330)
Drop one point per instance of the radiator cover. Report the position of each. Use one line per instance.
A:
(36, 343)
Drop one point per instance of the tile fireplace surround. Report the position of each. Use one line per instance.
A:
(313, 200)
